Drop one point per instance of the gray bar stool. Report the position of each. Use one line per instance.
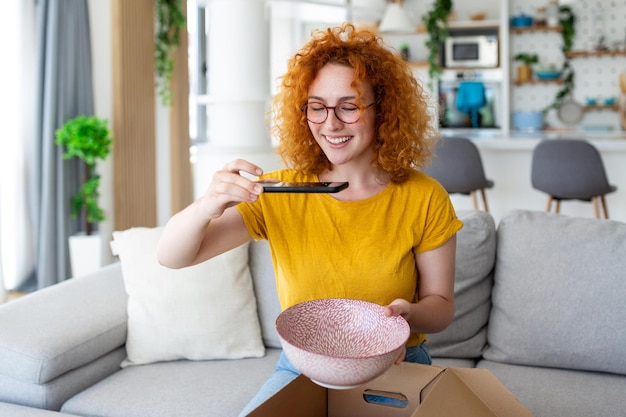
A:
(570, 169)
(457, 165)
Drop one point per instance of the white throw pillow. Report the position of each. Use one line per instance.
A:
(206, 311)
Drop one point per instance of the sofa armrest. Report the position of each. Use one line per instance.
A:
(62, 327)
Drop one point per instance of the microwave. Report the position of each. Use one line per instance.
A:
(474, 51)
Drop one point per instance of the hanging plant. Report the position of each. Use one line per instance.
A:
(170, 22)
(89, 139)
(436, 22)
(567, 20)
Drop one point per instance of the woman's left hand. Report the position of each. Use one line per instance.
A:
(398, 307)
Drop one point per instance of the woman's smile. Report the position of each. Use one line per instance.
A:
(337, 140)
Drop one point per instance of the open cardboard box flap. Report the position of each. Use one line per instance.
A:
(423, 391)
(469, 392)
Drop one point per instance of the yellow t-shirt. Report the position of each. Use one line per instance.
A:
(325, 248)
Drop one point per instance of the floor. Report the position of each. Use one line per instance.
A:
(12, 295)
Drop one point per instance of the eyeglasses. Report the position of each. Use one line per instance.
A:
(346, 112)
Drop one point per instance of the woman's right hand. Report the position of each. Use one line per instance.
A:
(195, 233)
(229, 188)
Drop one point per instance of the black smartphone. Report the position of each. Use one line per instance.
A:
(274, 186)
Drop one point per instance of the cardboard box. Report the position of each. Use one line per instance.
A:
(415, 390)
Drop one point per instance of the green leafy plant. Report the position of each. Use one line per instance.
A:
(526, 58)
(89, 139)
(436, 22)
(567, 21)
(170, 21)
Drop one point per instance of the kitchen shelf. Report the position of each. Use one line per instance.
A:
(465, 24)
(419, 64)
(529, 29)
(584, 54)
(537, 81)
(613, 107)
(470, 24)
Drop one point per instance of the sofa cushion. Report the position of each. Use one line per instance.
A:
(549, 392)
(14, 410)
(219, 388)
(466, 336)
(206, 311)
(559, 291)
(454, 362)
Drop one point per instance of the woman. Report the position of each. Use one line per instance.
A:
(348, 110)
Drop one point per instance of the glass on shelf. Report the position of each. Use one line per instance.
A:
(540, 16)
(552, 13)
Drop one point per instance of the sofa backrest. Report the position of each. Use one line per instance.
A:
(559, 297)
(466, 336)
(264, 280)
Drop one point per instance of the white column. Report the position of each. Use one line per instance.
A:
(238, 72)
(239, 88)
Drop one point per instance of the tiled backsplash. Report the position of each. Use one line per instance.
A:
(596, 77)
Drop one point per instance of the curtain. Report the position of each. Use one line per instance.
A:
(64, 91)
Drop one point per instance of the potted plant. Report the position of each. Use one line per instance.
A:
(89, 139)
(524, 71)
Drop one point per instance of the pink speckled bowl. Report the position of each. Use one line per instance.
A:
(341, 343)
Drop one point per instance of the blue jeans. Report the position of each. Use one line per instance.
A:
(285, 372)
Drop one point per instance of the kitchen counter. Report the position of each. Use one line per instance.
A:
(527, 143)
(613, 140)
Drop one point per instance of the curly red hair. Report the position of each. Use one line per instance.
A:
(404, 136)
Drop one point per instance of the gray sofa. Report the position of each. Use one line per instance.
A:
(541, 303)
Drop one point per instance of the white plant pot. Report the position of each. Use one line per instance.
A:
(85, 253)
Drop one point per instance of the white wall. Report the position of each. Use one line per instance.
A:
(461, 9)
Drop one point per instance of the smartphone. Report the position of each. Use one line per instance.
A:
(274, 186)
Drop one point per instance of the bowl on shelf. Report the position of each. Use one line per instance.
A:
(528, 121)
(610, 101)
(548, 75)
(521, 21)
(478, 16)
(597, 128)
(341, 343)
